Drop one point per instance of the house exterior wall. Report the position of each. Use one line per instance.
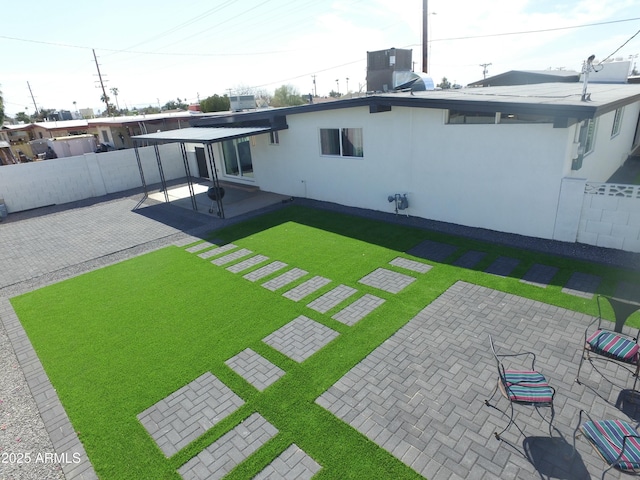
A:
(486, 176)
(609, 152)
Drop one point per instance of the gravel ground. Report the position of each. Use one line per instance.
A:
(22, 431)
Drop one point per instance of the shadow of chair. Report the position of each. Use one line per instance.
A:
(615, 441)
(554, 458)
(521, 384)
(612, 345)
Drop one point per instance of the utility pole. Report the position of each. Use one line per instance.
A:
(315, 91)
(484, 69)
(104, 92)
(425, 36)
(34, 100)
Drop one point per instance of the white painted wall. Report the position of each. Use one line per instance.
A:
(610, 217)
(502, 177)
(609, 152)
(50, 182)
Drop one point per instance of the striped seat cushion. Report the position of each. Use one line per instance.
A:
(527, 386)
(614, 346)
(607, 436)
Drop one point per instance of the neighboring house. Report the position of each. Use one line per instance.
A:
(495, 158)
(117, 131)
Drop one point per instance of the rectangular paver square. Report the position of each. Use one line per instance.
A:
(228, 451)
(292, 464)
(307, 288)
(285, 279)
(199, 247)
(470, 259)
(217, 251)
(300, 338)
(502, 266)
(164, 420)
(248, 263)
(255, 369)
(387, 280)
(412, 265)
(432, 250)
(358, 310)
(539, 275)
(582, 285)
(332, 298)
(264, 271)
(231, 257)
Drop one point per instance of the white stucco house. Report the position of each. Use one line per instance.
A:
(508, 159)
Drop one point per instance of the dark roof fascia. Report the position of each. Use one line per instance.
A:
(276, 118)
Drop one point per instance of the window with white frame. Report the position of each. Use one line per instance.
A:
(341, 142)
(617, 121)
(590, 139)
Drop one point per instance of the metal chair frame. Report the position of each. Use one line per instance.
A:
(504, 387)
(613, 465)
(622, 312)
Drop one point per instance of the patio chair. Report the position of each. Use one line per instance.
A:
(521, 386)
(612, 345)
(615, 441)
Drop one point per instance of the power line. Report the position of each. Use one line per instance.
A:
(617, 49)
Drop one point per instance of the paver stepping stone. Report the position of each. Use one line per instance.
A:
(332, 298)
(248, 263)
(284, 279)
(264, 271)
(307, 288)
(358, 309)
(582, 285)
(470, 259)
(539, 275)
(199, 247)
(292, 464)
(217, 251)
(432, 250)
(387, 280)
(255, 369)
(628, 291)
(187, 413)
(235, 446)
(502, 266)
(300, 338)
(243, 252)
(412, 265)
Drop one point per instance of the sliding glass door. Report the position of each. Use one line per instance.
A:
(237, 157)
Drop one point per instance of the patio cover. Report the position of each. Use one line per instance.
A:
(202, 135)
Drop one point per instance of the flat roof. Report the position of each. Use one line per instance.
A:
(201, 134)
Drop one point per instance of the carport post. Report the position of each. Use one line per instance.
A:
(214, 178)
(144, 184)
(162, 179)
(187, 171)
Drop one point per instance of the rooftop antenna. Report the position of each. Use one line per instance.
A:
(586, 68)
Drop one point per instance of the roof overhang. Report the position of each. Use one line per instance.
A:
(204, 135)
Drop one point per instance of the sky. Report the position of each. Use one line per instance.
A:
(161, 50)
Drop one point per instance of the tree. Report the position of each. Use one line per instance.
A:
(215, 103)
(334, 94)
(23, 117)
(177, 104)
(286, 96)
(1, 109)
(115, 92)
(445, 84)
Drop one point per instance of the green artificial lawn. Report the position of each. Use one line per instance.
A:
(117, 340)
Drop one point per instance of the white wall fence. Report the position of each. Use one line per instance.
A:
(610, 216)
(50, 182)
